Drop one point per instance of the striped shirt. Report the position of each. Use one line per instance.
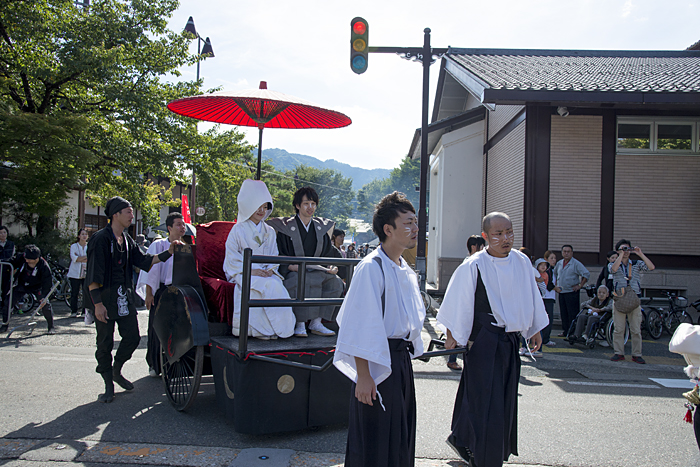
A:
(632, 272)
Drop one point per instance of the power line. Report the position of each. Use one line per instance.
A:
(291, 178)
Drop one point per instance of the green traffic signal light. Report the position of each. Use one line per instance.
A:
(359, 50)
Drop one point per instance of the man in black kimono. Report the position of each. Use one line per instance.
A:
(492, 299)
(306, 235)
(111, 256)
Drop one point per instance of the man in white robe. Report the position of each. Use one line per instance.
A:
(250, 231)
(491, 299)
(380, 331)
(151, 285)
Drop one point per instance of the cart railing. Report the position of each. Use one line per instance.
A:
(301, 300)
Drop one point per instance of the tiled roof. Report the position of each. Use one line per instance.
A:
(581, 70)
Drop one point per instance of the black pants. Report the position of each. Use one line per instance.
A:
(4, 292)
(569, 306)
(380, 438)
(75, 286)
(153, 346)
(128, 330)
(547, 331)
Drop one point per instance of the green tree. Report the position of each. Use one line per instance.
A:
(335, 193)
(83, 103)
(404, 178)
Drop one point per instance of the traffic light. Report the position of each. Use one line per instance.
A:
(359, 33)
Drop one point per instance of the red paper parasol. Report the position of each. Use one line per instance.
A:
(261, 108)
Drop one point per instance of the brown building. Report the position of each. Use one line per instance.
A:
(578, 147)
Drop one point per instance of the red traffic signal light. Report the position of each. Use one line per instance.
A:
(359, 48)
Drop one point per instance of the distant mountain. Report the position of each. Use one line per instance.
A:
(283, 160)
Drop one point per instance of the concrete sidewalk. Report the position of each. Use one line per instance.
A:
(25, 453)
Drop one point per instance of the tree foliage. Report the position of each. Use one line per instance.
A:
(404, 178)
(335, 193)
(83, 105)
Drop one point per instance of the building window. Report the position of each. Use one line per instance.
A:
(661, 135)
(634, 136)
(93, 223)
(674, 137)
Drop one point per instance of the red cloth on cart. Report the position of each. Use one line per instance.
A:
(210, 253)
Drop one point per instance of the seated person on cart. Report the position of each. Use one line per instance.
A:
(34, 277)
(592, 311)
(306, 235)
(251, 231)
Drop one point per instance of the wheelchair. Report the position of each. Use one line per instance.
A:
(601, 331)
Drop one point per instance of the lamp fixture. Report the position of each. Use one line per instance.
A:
(563, 111)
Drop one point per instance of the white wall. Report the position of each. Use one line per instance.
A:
(455, 205)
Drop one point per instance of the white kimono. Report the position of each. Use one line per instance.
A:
(513, 294)
(364, 331)
(262, 239)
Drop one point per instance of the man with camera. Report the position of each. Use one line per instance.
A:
(627, 273)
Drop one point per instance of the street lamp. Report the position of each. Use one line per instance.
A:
(206, 51)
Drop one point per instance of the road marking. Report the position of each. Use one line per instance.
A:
(562, 350)
(614, 385)
(674, 383)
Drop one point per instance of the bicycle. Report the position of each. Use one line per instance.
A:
(652, 322)
(676, 313)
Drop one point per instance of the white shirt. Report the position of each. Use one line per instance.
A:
(364, 331)
(510, 285)
(160, 273)
(75, 251)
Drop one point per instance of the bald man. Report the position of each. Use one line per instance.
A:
(491, 300)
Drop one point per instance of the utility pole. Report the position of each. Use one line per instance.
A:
(358, 50)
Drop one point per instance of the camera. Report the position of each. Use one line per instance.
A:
(626, 248)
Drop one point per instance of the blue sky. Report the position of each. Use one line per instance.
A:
(302, 47)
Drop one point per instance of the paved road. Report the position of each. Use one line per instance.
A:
(576, 409)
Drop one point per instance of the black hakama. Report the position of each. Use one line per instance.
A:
(486, 409)
(386, 438)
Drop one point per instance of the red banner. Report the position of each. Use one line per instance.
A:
(186, 209)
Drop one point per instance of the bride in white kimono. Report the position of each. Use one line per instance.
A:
(251, 231)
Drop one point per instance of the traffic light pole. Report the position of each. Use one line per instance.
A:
(425, 55)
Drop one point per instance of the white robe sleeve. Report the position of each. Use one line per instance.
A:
(362, 333)
(457, 310)
(233, 261)
(540, 318)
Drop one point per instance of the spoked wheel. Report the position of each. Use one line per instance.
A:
(671, 321)
(26, 303)
(182, 377)
(610, 329)
(654, 324)
(65, 291)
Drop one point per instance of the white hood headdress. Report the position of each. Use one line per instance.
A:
(252, 195)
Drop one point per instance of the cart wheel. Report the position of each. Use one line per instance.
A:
(182, 377)
(591, 346)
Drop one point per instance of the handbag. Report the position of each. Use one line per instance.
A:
(626, 300)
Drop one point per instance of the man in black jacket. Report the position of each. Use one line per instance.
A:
(33, 276)
(306, 235)
(111, 256)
